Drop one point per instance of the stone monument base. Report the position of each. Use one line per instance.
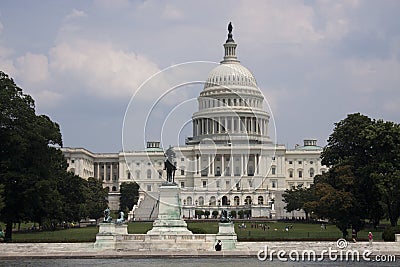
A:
(107, 234)
(169, 220)
(227, 235)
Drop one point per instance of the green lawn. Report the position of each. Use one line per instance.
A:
(276, 231)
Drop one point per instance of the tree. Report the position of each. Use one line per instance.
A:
(370, 151)
(2, 204)
(215, 214)
(207, 213)
(96, 199)
(28, 143)
(336, 199)
(299, 199)
(129, 195)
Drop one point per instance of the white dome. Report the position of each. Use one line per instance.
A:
(230, 75)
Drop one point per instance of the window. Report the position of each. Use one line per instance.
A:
(260, 200)
(212, 201)
(182, 184)
(300, 174)
(148, 187)
(247, 201)
(250, 183)
(291, 174)
(148, 163)
(273, 158)
(204, 184)
(201, 201)
(217, 184)
(137, 175)
(137, 163)
(182, 159)
(189, 200)
(273, 170)
(236, 201)
(311, 172)
(218, 172)
(114, 188)
(290, 162)
(182, 172)
(148, 174)
(72, 161)
(300, 162)
(311, 162)
(129, 175)
(227, 184)
(273, 183)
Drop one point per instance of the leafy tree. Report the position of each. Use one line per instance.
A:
(96, 199)
(27, 145)
(215, 214)
(300, 198)
(2, 204)
(365, 153)
(129, 195)
(207, 213)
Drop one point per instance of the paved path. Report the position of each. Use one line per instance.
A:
(243, 249)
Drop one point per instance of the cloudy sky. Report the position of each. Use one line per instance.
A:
(315, 62)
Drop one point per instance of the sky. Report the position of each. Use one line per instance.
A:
(98, 67)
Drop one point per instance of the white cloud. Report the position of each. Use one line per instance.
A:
(103, 69)
(76, 14)
(32, 68)
(171, 12)
(112, 4)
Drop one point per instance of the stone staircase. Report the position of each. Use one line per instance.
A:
(147, 209)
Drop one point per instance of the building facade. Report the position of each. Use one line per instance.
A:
(229, 163)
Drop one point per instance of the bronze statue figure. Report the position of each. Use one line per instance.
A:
(169, 165)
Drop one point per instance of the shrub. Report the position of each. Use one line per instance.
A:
(389, 233)
(197, 230)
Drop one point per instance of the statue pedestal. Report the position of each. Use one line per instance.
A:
(397, 236)
(227, 235)
(169, 220)
(107, 234)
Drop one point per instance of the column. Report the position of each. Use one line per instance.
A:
(232, 125)
(257, 163)
(98, 171)
(208, 165)
(245, 124)
(222, 165)
(111, 172)
(104, 171)
(226, 124)
(241, 164)
(244, 165)
(211, 165)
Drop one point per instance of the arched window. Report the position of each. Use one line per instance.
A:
(148, 174)
(225, 200)
(311, 172)
(189, 201)
(236, 200)
(260, 200)
(212, 201)
(114, 188)
(129, 175)
(247, 201)
(201, 201)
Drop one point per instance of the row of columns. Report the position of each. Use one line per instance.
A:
(231, 102)
(104, 176)
(243, 159)
(232, 124)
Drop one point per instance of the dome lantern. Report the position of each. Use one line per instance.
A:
(230, 47)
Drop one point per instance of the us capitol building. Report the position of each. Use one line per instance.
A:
(230, 162)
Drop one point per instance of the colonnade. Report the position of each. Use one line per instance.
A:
(230, 165)
(230, 124)
(106, 175)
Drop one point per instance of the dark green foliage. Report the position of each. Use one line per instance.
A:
(215, 214)
(196, 230)
(34, 184)
(363, 182)
(389, 233)
(129, 195)
(95, 199)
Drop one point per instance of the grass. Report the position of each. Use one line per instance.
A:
(276, 231)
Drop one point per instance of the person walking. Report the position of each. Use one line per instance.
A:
(370, 238)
